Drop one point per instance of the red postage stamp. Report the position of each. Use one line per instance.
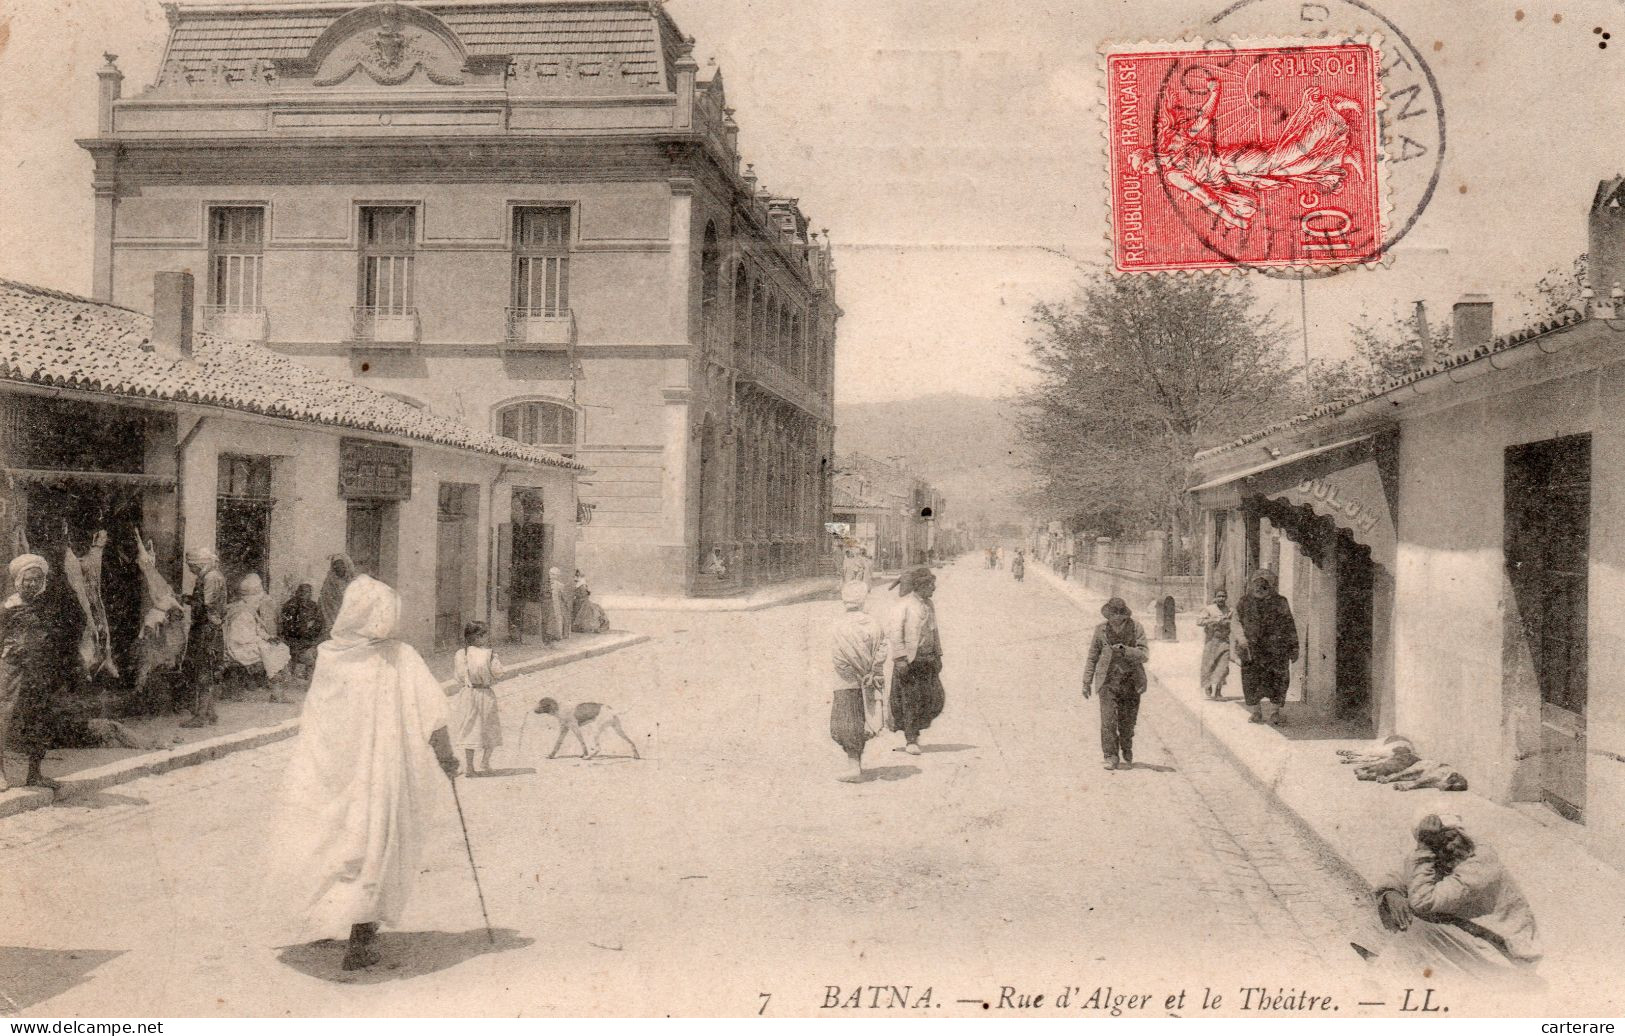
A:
(1227, 156)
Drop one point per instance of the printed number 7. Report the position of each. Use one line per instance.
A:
(765, 998)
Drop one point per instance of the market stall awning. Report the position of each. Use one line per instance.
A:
(104, 478)
(1341, 481)
(1354, 499)
(1278, 462)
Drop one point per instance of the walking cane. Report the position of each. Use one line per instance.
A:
(522, 724)
(489, 934)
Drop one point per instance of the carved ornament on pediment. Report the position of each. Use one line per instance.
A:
(572, 75)
(388, 44)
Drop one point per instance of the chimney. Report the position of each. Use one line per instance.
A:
(110, 88)
(172, 315)
(1605, 251)
(1474, 324)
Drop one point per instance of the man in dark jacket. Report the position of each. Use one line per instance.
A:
(39, 630)
(1266, 646)
(1116, 669)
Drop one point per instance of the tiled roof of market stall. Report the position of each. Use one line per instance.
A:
(1500, 344)
(54, 339)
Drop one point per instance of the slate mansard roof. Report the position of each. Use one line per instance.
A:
(635, 34)
(53, 339)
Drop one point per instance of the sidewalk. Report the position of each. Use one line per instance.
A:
(244, 725)
(767, 597)
(1579, 901)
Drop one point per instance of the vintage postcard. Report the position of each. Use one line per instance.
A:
(601, 509)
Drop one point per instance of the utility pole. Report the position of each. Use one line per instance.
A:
(1303, 309)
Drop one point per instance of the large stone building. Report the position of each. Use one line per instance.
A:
(528, 214)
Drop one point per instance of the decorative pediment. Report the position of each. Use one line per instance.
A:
(388, 44)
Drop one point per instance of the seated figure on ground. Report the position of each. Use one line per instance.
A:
(1452, 903)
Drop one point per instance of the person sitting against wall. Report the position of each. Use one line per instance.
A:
(717, 566)
(255, 657)
(589, 617)
(1451, 900)
(302, 628)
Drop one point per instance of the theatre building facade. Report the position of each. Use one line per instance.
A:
(1454, 550)
(530, 215)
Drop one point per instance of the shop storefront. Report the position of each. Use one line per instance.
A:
(1322, 517)
(121, 435)
(374, 479)
(80, 483)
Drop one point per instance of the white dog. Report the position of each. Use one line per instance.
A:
(588, 715)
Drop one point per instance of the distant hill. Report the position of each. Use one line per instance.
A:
(965, 445)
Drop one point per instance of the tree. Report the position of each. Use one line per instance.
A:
(1392, 346)
(1554, 293)
(1385, 348)
(1135, 374)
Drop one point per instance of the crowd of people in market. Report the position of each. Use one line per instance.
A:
(68, 673)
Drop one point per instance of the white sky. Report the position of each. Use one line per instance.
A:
(953, 149)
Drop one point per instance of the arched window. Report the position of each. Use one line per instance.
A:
(758, 319)
(784, 357)
(539, 423)
(775, 331)
(741, 310)
(710, 286)
(798, 347)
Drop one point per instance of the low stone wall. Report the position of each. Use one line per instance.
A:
(1142, 592)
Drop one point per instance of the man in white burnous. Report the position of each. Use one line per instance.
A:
(368, 779)
(1314, 150)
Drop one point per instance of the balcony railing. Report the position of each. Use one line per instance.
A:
(243, 323)
(779, 381)
(533, 329)
(389, 326)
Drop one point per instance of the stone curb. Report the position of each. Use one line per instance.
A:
(754, 602)
(21, 800)
(1298, 820)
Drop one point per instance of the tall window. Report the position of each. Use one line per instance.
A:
(758, 319)
(741, 311)
(540, 424)
(541, 267)
(710, 286)
(388, 239)
(236, 251)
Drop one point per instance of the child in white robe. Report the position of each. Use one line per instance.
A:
(475, 723)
